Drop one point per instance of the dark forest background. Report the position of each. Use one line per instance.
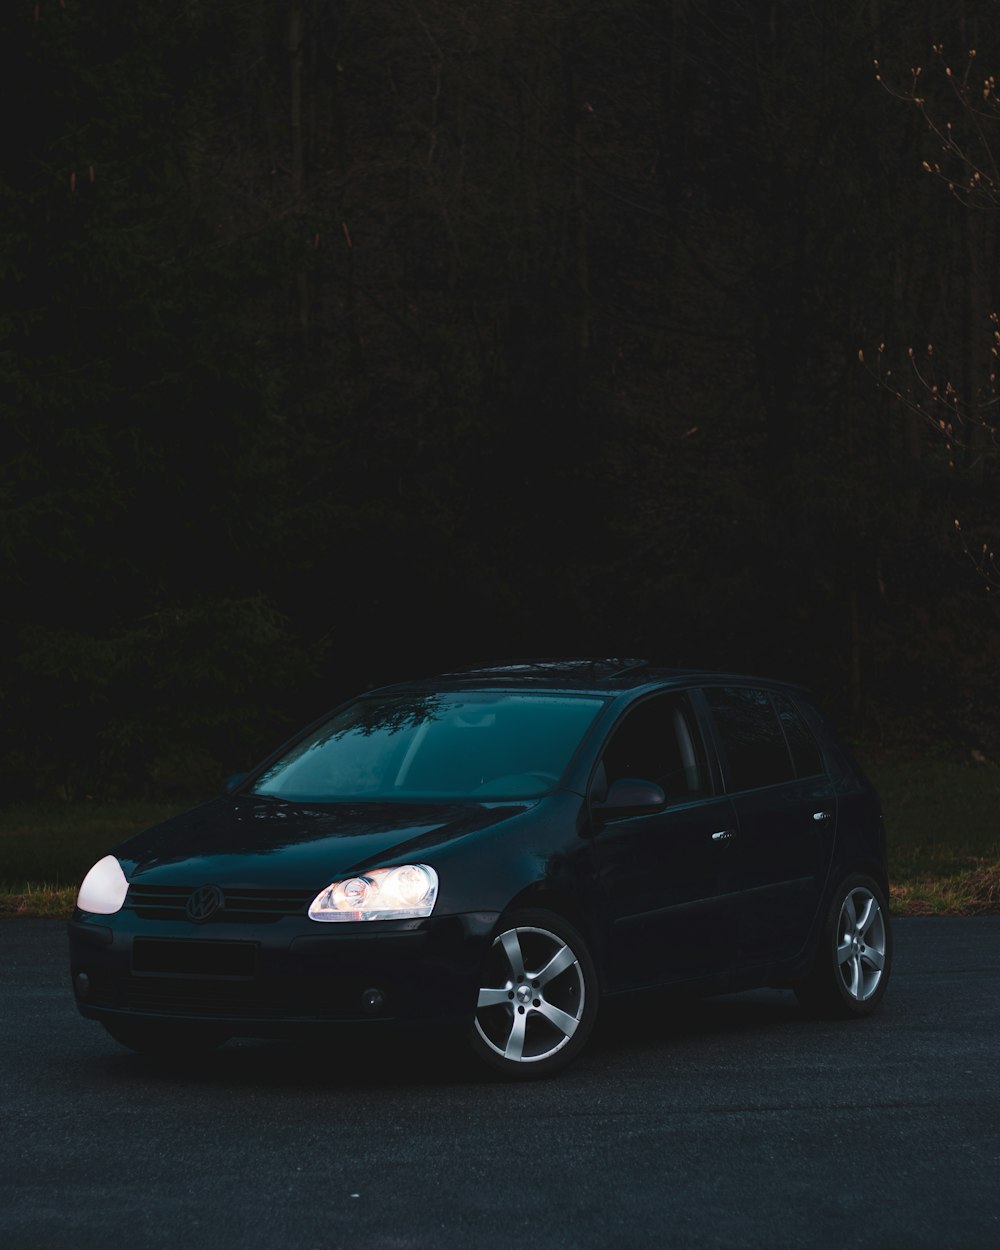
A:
(346, 340)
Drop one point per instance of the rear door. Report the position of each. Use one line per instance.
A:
(786, 812)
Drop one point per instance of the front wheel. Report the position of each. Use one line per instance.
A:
(854, 956)
(538, 996)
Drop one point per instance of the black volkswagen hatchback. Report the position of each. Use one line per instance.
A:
(500, 850)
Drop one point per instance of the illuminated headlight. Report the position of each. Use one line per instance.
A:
(401, 893)
(104, 888)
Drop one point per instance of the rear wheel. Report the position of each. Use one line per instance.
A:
(851, 972)
(538, 996)
(166, 1040)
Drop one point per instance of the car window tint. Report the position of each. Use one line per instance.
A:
(806, 755)
(659, 741)
(751, 736)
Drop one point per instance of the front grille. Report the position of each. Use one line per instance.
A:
(243, 906)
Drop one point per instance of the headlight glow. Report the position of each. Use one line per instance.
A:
(401, 893)
(103, 889)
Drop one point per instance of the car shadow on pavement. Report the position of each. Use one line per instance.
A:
(346, 1062)
(663, 1018)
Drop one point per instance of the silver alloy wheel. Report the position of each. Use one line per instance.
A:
(534, 997)
(861, 943)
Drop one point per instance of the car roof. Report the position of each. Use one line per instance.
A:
(607, 676)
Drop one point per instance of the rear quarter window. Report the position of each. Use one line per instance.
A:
(806, 754)
(752, 738)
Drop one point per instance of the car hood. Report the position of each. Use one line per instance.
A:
(272, 842)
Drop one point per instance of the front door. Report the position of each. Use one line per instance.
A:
(661, 876)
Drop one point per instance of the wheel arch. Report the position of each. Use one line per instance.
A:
(865, 865)
(540, 897)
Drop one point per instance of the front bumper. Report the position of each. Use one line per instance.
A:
(286, 977)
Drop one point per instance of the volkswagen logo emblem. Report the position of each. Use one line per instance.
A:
(204, 903)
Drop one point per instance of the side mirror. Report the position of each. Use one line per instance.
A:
(230, 783)
(631, 796)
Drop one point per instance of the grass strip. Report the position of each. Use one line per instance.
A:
(975, 892)
(48, 902)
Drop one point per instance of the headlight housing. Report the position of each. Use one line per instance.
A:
(103, 889)
(401, 893)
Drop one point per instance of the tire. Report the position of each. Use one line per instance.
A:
(854, 956)
(538, 998)
(166, 1040)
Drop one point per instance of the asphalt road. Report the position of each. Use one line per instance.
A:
(731, 1123)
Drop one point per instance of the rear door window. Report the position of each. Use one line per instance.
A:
(754, 743)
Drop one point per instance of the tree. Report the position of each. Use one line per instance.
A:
(953, 392)
(136, 409)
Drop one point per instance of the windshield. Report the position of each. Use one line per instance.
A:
(481, 746)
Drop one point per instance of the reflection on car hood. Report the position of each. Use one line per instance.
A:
(273, 842)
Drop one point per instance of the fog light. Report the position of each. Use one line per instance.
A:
(81, 983)
(373, 1000)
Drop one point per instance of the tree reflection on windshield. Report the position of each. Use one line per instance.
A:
(387, 716)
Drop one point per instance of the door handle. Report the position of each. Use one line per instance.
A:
(724, 835)
(822, 815)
